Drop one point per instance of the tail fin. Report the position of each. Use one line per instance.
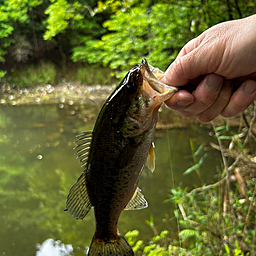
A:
(118, 247)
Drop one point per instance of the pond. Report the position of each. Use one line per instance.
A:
(38, 167)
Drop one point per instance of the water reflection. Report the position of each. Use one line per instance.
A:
(38, 166)
(52, 248)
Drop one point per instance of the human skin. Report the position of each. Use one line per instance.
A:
(220, 64)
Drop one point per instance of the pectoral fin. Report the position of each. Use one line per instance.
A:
(78, 203)
(137, 202)
(150, 163)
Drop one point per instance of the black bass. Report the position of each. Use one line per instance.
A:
(113, 156)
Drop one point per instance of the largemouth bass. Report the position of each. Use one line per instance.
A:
(113, 156)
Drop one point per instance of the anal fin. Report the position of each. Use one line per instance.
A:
(78, 203)
(137, 202)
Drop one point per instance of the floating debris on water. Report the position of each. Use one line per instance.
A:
(39, 157)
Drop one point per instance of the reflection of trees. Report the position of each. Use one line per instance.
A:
(32, 204)
(32, 191)
(18, 228)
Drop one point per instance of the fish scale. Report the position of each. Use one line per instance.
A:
(113, 156)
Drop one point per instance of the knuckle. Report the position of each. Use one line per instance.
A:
(178, 68)
(227, 112)
(208, 101)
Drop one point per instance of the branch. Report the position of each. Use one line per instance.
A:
(206, 187)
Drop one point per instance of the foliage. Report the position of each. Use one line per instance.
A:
(219, 218)
(117, 34)
(158, 246)
(207, 231)
(197, 164)
(34, 75)
(140, 32)
(156, 31)
(94, 74)
(13, 14)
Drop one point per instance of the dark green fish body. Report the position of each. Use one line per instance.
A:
(114, 155)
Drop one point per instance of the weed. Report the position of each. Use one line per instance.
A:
(93, 74)
(219, 218)
(43, 73)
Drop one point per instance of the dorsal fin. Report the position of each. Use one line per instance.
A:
(150, 163)
(78, 203)
(137, 202)
(83, 146)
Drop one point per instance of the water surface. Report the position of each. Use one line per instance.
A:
(38, 167)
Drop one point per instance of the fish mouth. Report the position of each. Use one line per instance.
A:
(152, 85)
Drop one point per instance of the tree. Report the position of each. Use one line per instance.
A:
(157, 31)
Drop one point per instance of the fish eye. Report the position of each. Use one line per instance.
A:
(132, 87)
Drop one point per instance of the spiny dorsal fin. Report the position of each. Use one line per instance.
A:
(150, 163)
(82, 147)
(78, 203)
(137, 202)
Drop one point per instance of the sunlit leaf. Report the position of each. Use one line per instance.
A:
(186, 233)
(191, 169)
(199, 150)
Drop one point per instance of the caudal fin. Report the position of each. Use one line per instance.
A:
(118, 247)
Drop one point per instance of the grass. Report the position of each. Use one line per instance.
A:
(92, 75)
(218, 218)
(48, 73)
(43, 73)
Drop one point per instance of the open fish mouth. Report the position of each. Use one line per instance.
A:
(152, 79)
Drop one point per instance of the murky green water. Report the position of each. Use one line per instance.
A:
(38, 167)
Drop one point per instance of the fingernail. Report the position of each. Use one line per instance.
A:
(214, 82)
(250, 87)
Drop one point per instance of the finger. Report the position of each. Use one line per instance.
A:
(221, 102)
(180, 100)
(194, 64)
(241, 99)
(190, 46)
(205, 95)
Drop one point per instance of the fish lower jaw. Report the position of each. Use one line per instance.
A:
(161, 98)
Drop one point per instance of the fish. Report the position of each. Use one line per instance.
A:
(113, 156)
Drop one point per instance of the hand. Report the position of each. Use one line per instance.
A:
(220, 66)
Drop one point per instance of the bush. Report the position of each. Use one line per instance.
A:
(43, 73)
(94, 74)
(219, 218)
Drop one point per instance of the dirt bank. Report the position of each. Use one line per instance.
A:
(75, 94)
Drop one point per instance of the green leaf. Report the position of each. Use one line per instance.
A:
(201, 161)
(225, 137)
(219, 128)
(164, 233)
(199, 150)
(186, 233)
(227, 249)
(191, 169)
